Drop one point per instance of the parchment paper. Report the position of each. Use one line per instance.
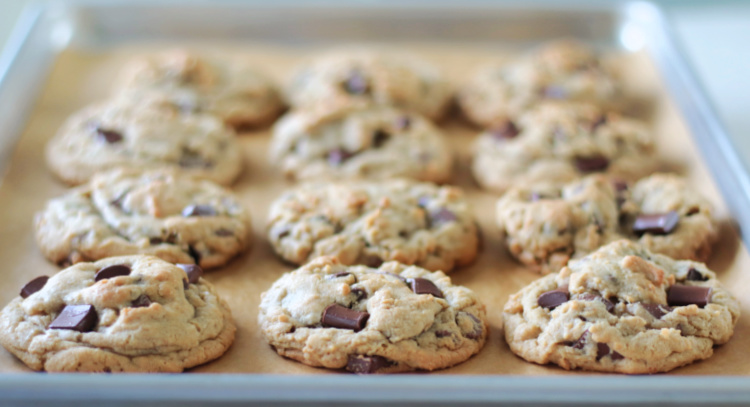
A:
(79, 78)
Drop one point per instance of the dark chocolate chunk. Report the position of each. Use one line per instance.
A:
(425, 286)
(112, 271)
(657, 310)
(593, 297)
(155, 240)
(360, 293)
(507, 131)
(193, 271)
(109, 135)
(442, 215)
(656, 224)
(602, 350)
(442, 333)
(33, 286)
(679, 295)
(198, 210)
(356, 83)
(338, 156)
(337, 316)
(81, 318)
(141, 301)
(695, 275)
(373, 261)
(592, 163)
(379, 138)
(616, 356)
(341, 274)
(367, 364)
(477, 328)
(224, 233)
(403, 123)
(581, 342)
(552, 299)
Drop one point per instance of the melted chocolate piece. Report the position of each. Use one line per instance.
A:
(602, 350)
(379, 138)
(360, 293)
(367, 364)
(425, 286)
(33, 286)
(477, 330)
(656, 224)
(224, 233)
(592, 163)
(141, 301)
(554, 298)
(193, 271)
(81, 318)
(681, 295)
(112, 271)
(337, 316)
(695, 275)
(593, 297)
(657, 310)
(108, 135)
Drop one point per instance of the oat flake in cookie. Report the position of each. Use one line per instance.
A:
(372, 222)
(557, 142)
(383, 78)
(561, 70)
(353, 141)
(225, 85)
(621, 309)
(148, 133)
(394, 318)
(120, 314)
(161, 212)
(544, 227)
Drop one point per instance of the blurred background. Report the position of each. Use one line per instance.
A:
(714, 35)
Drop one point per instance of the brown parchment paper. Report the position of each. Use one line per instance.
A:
(79, 78)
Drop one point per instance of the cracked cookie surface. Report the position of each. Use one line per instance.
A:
(161, 212)
(150, 134)
(561, 70)
(394, 318)
(558, 142)
(140, 314)
(355, 141)
(382, 78)
(371, 222)
(621, 309)
(545, 227)
(222, 85)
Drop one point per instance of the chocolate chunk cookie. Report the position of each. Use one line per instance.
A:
(360, 141)
(120, 314)
(161, 212)
(223, 85)
(545, 227)
(394, 318)
(561, 70)
(383, 78)
(621, 309)
(557, 142)
(150, 134)
(368, 223)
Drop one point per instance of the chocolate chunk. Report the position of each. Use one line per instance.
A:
(679, 295)
(477, 328)
(360, 293)
(112, 271)
(155, 240)
(442, 333)
(657, 310)
(592, 163)
(109, 135)
(507, 131)
(656, 224)
(367, 364)
(581, 342)
(602, 350)
(373, 261)
(552, 299)
(425, 286)
(198, 210)
(141, 301)
(193, 271)
(379, 138)
(81, 318)
(356, 83)
(224, 233)
(442, 215)
(695, 275)
(616, 356)
(338, 156)
(337, 316)
(593, 297)
(402, 123)
(341, 274)
(555, 92)
(33, 286)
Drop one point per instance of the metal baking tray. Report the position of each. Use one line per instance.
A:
(45, 29)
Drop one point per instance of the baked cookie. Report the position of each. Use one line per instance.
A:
(621, 309)
(360, 141)
(391, 79)
(391, 319)
(546, 226)
(564, 69)
(151, 134)
(369, 223)
(557, 142)
(222, 85)
(120, 314)
(161, 212)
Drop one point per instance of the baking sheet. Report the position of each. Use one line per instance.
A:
(81, 77)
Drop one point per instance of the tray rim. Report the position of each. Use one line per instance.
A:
(706, 130)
